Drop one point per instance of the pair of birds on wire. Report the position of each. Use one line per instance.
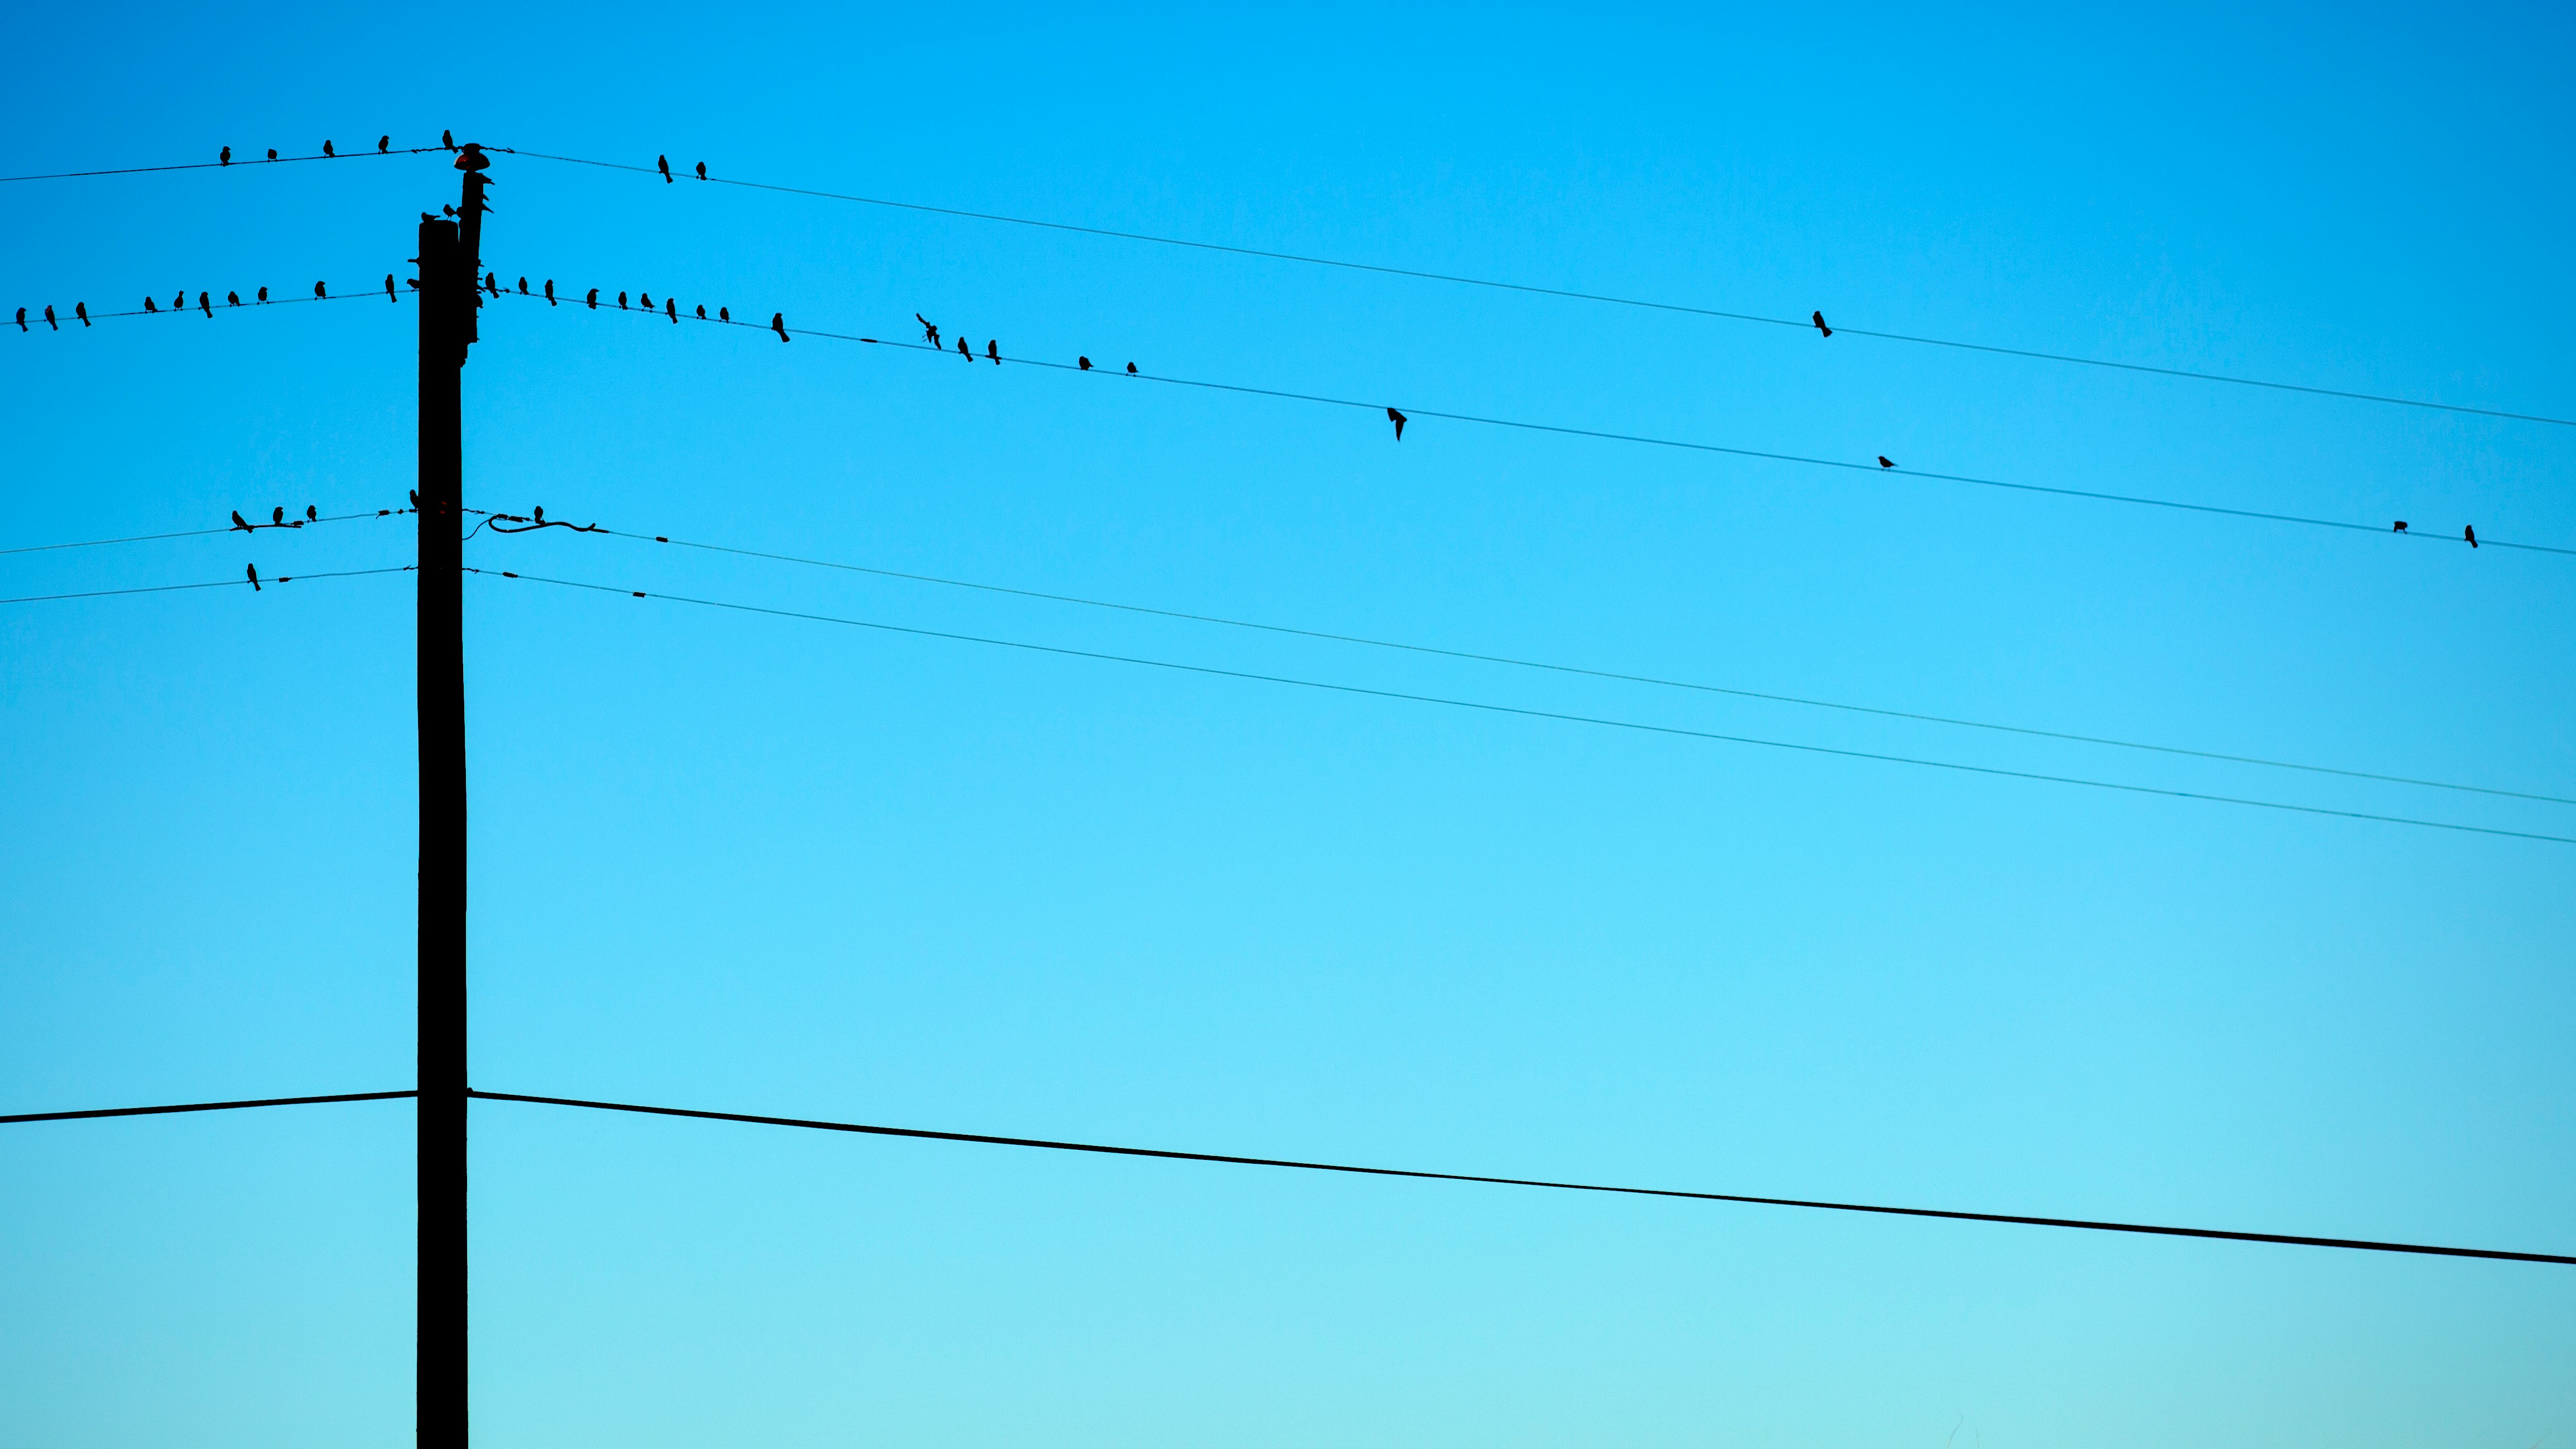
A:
(276, 519)
(664, 163)
(2468, 532)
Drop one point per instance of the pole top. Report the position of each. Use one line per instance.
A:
(470, 157)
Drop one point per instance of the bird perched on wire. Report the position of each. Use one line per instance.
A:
(1083, 362)
(671, 310)
(254, 578)
(647, 299)
(79, 309)
(1396, 418)
(232, 299)
(594, 299)
(205, 304)
(272, 153)
(263, 294)
(1886, 462)
(702, 311)
(492, 284)
(151, 306)
(447, 139)
(318, 291)
(276, 516)
(929, 328)
(2401, 525)
(965, 351)
(778, 324)
(665, 163)
(22, 319)
(2471, 534)
(621, 301)
(390, 294)
(724, 314)
(310, 515)
(384, 144)
(1131, 369)
(702, 171)
(57, 326)
(180, 303)
(225, 157)
(550, 291)
(1820, 323)
(993, 351)
(240, 522)
(326, 148)
(523, 286)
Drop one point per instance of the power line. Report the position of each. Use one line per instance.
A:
(201, 532)
(1583, 671)
(245, 163)
(1800, 324)
(372, 292)
(203, 1107)
(1872, 469)
(242, 583)
(1561, 717)
(2366, 1245)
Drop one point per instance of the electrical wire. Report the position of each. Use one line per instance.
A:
(97, 1112)
(241, 583)
(227, 165)
(201, 532)
(2366, 1245)
(65, 324)
(1519, 712)
(1579, 670)
(1569, 295)
(1802, 460)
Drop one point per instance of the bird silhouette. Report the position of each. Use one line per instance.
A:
(447, 139)
(326, 148)
(1396, 418)
(1885, 462)
(309, 515)
(665, 163)
(523, 286)
(272, 153)
(621, 301)
(79, 309)
(993, 351)
(263, 294)
(647, 300)
(205, 304)
(22, 319)
(929, 328)
(384, 144)
(232, 299)
(318, 291)
(2401, 525)
(226, 158)
(240, 522)
(492, 283)
(151, 306)
(277, 515)
(724, 314)
(965, 351)
(778, 324)
(594, 299)
(254, 578)
(57, 326)
(702, 171)
(1084, 363)
(1131, 369)
(1820, 323)
(550, 291)
(389, 287)
(671, 310)
(2471, 534)
(415, 500)
(180, 303)
(702, 311)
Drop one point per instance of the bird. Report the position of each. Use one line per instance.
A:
(594, 299)
(318, 290)
(205, 304)
(702, 311)
(447, 139)
(226, 158)
(1886, 462)
(2471, 534)
(492, 283)
(702, 171)
(1396, 418)
(550, 291)
(276, 516)
(647, 300)
(79, 309)
(1084, 363)
(929, 328)
(2401, 525)
(240, 522)
(993, 351)
(724, 314)
(22, 319)
(383, 144)
(965, 351)
(272, 153)
(1131, 369)
(326, 148)
(254, 578)
(1820, 323)
(445, 210)
(671, 310)
(57, 326)
(151, 306)
(232, 299)
(180, 303)
(415, 499)
(523, 286)
(310, 516)
(263, 294)
(778, 324)
(665, 163)
(621, 301)
(389, 286)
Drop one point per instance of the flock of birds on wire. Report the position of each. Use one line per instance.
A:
(671, 309)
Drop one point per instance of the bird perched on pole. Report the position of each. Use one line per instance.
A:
(929, 328)
(1396, 418)
(1820, 323)
(778, 324)
(254, 578)
(664, 162)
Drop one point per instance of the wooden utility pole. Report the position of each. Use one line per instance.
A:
(450, 253)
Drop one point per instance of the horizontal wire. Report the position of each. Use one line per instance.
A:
(226, 165)
(241, 583)
(203, 1107)
(2366, 1245)
(71, 324)
(1868, 469)
(1589, 673)
(1558, 716)
(1794, 322)
(201, 532)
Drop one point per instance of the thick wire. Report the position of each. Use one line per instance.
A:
(1792, 322)
(1801, 460)
(1558, 716)
(96, 1112)
(1589, 673)
(2365, 1245)
(240, 583)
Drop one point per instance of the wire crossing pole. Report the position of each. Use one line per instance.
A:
(449, 255)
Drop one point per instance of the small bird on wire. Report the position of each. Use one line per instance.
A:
(272, 153)
(702, 171)
(390, 294)
(621, 301)
(1131, 369)
(254, 578)
(232, 299)
(1885, 462)
(22, 319)
(276, 516)
(205, 304)
(1820, 323)
(671, 310)
(647, 299)
(2401, 525)
(523, 286)
(225, 158)
(384, 144)
(180, 303)
(965, 351)
(79, 309)
(594, 299)
(2471, 534)
(929, 328)
(326, 148)
(993, 351)
(1083, 362)
(778, 324)
(1396, 418)
(151, 306)
(263, 294)
(550, 291)
(724, 314)
(240, 522)
(310, 514)
(57, 326)
(665, 163)
(702, 311)
(319, 292)
(447, 139)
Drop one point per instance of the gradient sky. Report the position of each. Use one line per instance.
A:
(745, 863)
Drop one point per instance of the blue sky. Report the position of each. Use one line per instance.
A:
(752, 864)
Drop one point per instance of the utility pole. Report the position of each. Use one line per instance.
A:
(450, 253)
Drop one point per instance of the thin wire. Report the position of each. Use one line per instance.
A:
(225, 165)
(203, 1107)
(241, 583)
(1802, 460)
(2366, 1245)
(64, 324)
(1589, 673)
(201, 532)
(1559, 292)
(1514, 710)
